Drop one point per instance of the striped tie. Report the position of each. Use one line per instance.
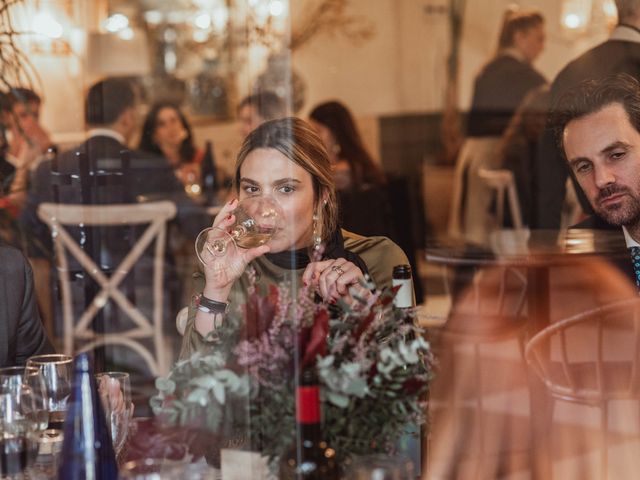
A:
(635, 256)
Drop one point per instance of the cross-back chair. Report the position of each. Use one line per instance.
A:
(61, 216)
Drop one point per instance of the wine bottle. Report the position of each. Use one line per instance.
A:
(310, 458)
(87, 450)
(401, 277)
(209, 174)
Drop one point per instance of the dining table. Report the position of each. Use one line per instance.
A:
(537, 253)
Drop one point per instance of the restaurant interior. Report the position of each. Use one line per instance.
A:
(493, 333)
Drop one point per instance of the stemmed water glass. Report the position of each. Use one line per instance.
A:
(257, 219)
(114, 389)
(22, 418)
(57, 373)
(26, 385)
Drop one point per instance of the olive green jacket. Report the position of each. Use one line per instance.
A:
(379, 254)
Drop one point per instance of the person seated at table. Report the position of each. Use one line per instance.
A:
(258, 108)
(360, 182)
(111, 113)
(285, 159)
(597, 125)
(21, 332)
(167, 132)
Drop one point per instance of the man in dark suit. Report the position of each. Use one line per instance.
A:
(21, 332)
(112, 118)
(619, 54)
(111, 114)
(597, 125)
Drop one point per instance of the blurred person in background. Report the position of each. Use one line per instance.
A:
(519, 148)
(353, 166)
(24, 142)
(498, 91)
(370, 205)
(167, 132)
(258, 108)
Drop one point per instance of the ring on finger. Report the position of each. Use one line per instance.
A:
(338, 270)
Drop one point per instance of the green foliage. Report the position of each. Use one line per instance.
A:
(374, 374)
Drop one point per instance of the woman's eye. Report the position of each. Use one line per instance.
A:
(286, 189)
(251, 189)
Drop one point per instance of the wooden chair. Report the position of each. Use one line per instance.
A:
(488, 308)
(61, 216)
(583, 359)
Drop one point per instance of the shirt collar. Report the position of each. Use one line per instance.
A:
(515, 53)
(628, 239)
(625, 33)
(107, 132)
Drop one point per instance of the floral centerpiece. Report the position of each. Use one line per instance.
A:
(373, 365)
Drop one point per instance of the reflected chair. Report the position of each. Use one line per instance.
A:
(503, 182)
(488, 311)
(61, 217)
(591, 358)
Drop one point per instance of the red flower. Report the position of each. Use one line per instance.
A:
(259, 313)
(313, 340)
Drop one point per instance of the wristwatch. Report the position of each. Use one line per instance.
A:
(207, 305)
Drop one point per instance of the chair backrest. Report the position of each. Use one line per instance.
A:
(156, 214)
(590, 357)
(502, 181)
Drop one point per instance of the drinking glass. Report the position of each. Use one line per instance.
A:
(57, 372)
(18, 435)
(114, 389)
(26, 385)
(257, 219)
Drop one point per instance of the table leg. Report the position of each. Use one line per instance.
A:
(540, 404)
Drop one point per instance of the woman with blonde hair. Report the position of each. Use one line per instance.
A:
(285, 160)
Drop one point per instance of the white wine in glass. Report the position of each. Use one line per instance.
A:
(257, 219)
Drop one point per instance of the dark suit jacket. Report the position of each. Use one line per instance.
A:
(622, 260)
(21, 331)
(151, 178)
(610, 57)
(498, 91)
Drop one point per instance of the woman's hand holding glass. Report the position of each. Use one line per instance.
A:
(238, 235)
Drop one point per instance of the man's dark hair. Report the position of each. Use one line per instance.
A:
(268, 105)
(107, 100)
(19, 95)
(591, 96)
(628, 10)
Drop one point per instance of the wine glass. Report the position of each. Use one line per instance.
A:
(26, 384)
(57, 372)
(18, 432)
(114, 389)
(257, 219)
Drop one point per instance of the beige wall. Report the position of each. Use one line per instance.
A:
(401, 69)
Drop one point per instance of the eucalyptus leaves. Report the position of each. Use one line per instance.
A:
(373, 365)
